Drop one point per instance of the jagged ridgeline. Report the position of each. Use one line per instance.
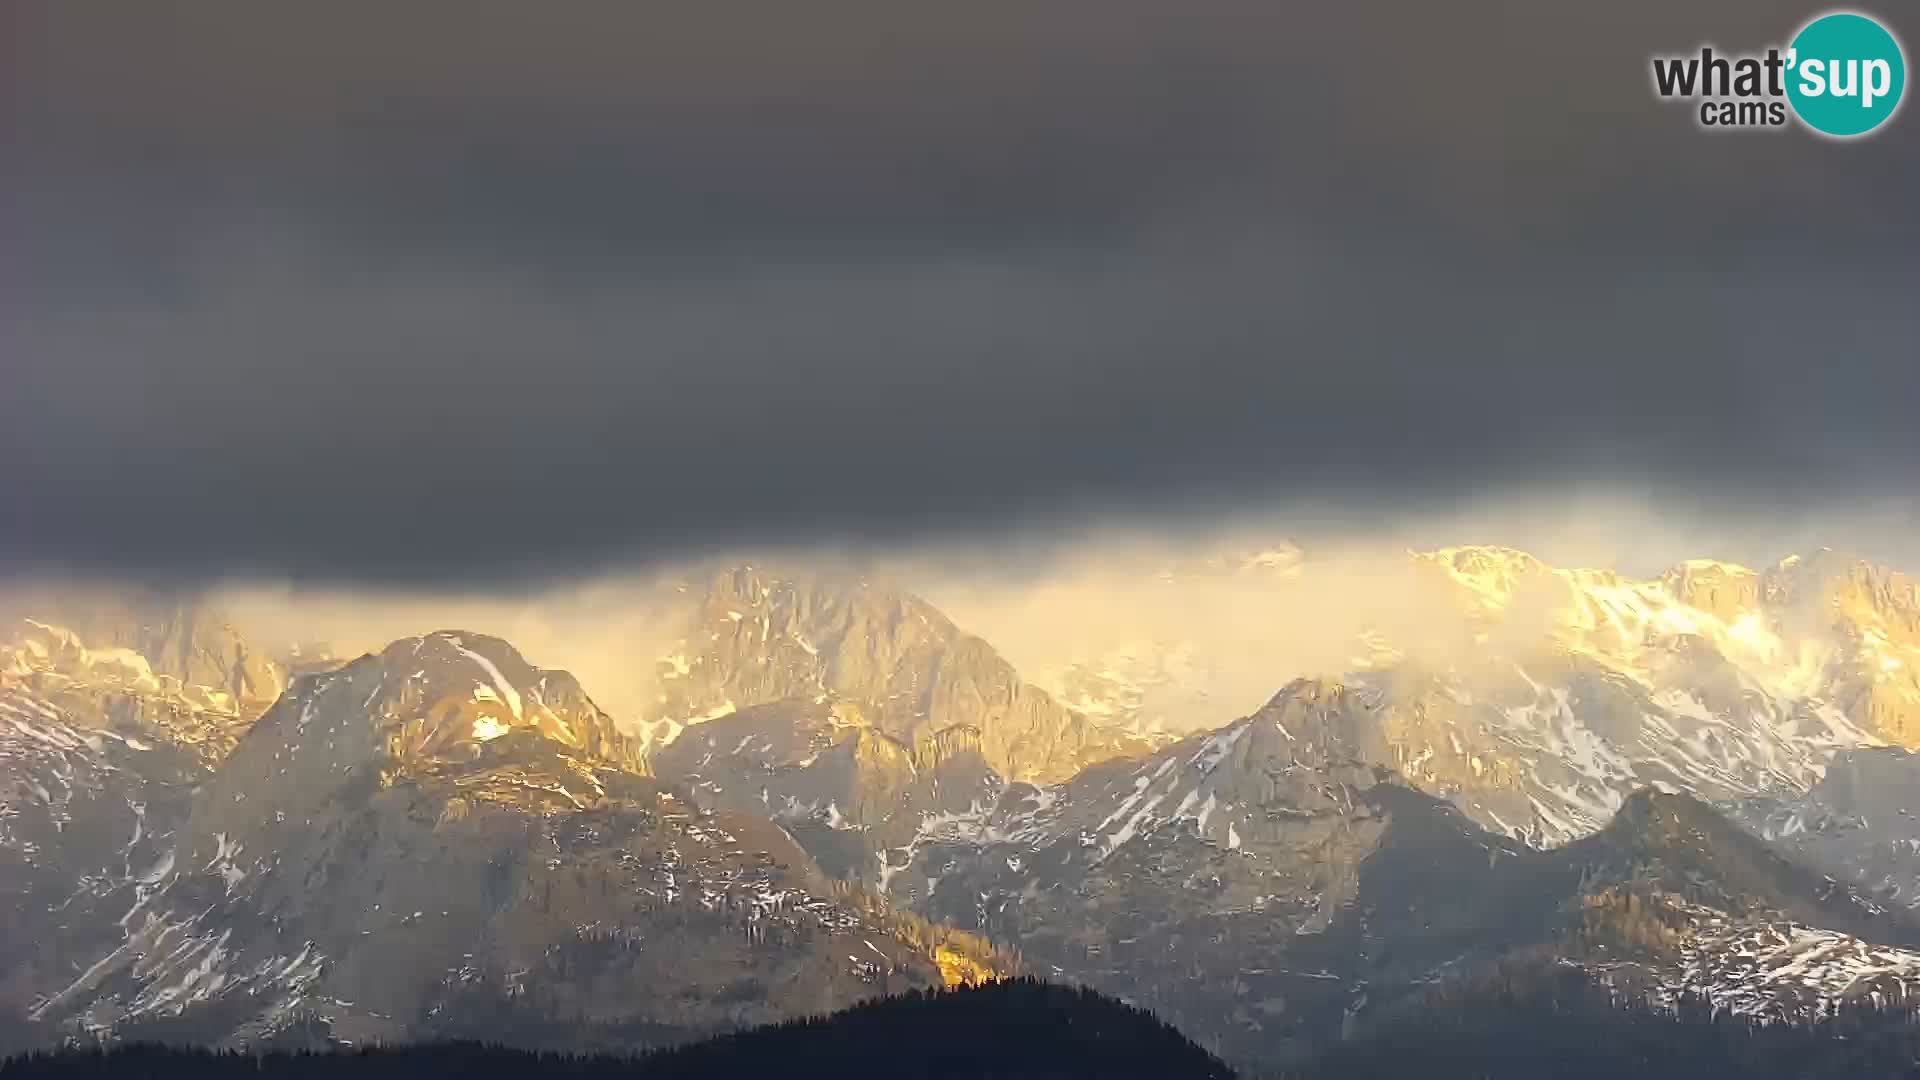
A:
(873, 654)
(1582, 685)
(1857, 824)
(833, 794)
(165, 664)
(1534, 697)
(435, 841)
(1266, 887)
(1537, 701)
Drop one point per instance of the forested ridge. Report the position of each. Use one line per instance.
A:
(1017, 1028)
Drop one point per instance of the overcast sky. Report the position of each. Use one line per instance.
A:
(434, 293)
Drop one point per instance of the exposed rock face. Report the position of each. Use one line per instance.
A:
(89, 819)
(1871, 616)
(1547, 752)
(438, 700)
(1860, 824)
(168, 667)
(443, 841)
(1879, 784)
(1715, 680)
(111, 713)
(753, 638)
(1722, 590)
(846, 790)
(1690, 850)
(1264, 884)
(1283, 782)
(1185, 882)
(1539, 697)
(1820, 631)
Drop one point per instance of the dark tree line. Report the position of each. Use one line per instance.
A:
(1521, 1021)
(1014, 1029)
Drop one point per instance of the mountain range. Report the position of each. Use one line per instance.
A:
(1537, 698)
(436, 841)
(1689, 785)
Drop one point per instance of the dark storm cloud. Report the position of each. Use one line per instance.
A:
(462, 291)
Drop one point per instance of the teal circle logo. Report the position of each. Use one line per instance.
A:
(1846, 74)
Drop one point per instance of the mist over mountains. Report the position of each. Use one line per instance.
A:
(1205, 537)
(823, 789)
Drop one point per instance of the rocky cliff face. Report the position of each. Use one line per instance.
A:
(1547, 752)
(1860, 823)
(425, 703)
(1868, 619)
(443, 841)
(1266, 885)
(89, 818)
(751, 637)
(1433, 810)
(112, 711)
(169, 667)
(1184, 882)
(1716, 680)
(846, 790)
(1537, 698)
(1821, 631)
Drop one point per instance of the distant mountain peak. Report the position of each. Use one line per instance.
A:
(1686, 847)
(751, 636)
(158, 663)
(1653, 817)
(440, 698)
(441, 839)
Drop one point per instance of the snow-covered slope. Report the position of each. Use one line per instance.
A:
(172, 671)
(443, 841)
(1263, 883)
(1581, 686)
(1536, 697)
(846, 790)
(89, 819)
(1860, 823)
(1787, 969)
(105, 731)
(1191, 882)
(1547, 752)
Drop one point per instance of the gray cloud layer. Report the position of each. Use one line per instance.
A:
(447, 293)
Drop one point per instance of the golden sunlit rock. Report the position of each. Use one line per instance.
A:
(957, 969)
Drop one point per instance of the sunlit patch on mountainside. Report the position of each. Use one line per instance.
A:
(830, 790)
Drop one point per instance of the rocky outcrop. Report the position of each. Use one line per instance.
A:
(1860, 824)
(752, 637)
(1869, 619)
(442, 841)
(1267, 884)
(1815, 632)
(846, 790)
(1723, 590)
(89, 821)
(171, 668)
(1543, 696)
